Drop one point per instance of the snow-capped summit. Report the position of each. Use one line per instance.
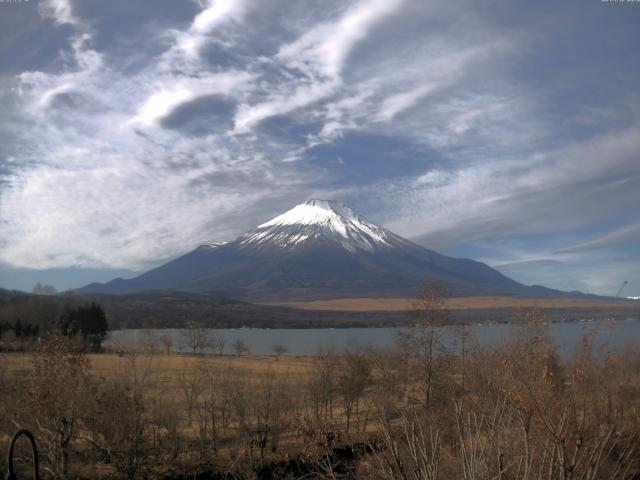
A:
(317, 220)
(320, 212)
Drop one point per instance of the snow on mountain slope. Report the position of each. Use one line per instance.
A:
(319, 249)
(213, 245)
(317, 220)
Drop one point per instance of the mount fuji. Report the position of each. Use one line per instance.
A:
(319, 249)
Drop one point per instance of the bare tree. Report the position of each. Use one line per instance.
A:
(218, 342)
(413, 453)
(150, 341)
(389, 388)
(167, 343)
(354, 376)
(421, 338)
(270, 410)
(57, 399)
(119, 423)
(212, 408)
(321, 383)
(279, 349)
(191, 385)
(195, 337)
(261, 410)
(240, 347)
(224, 388)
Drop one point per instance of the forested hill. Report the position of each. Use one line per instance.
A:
(175, 309)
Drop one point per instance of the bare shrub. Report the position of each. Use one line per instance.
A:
(279, 350)
(121, 420)
(421, 338)
(411, 452)
(195, 337)
(191, 385)
(218, 342)
(150, 341)
(167, 343)
(240, 347)
(59, 393)
(354, 376)
(321, 384)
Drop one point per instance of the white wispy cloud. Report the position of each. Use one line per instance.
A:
(303, 95)
(60, 11)
(441, 70)
(216, 13)
(518, 197)
(180, 76)
(180, 90)
(95, 191)
(401, 101)
(624, 235)
(324, 49)
(320, 55)
(85, 63)
(108, 163)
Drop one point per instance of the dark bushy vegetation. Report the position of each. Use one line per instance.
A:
(88, 321)
(177, 309)
(168, 309)
(24, 319)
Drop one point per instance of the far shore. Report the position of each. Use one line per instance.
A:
(460, 303)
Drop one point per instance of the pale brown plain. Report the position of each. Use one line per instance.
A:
(459, 303)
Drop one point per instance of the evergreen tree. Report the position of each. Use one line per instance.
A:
(89, 321)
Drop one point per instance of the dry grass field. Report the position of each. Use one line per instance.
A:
(460, 303)
(168, 367)
(184, 393)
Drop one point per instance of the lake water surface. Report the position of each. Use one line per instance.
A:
(612, 334)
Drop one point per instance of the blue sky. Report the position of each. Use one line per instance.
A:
(509, 132)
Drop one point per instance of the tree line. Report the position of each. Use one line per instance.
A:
(25, 319)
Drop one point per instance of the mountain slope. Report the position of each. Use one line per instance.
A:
(319, 249)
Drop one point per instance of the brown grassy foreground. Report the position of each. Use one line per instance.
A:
(460, 303)
(412, 412)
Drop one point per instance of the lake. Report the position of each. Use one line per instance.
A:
(613, 334)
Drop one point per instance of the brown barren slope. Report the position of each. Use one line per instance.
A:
(460, 303)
